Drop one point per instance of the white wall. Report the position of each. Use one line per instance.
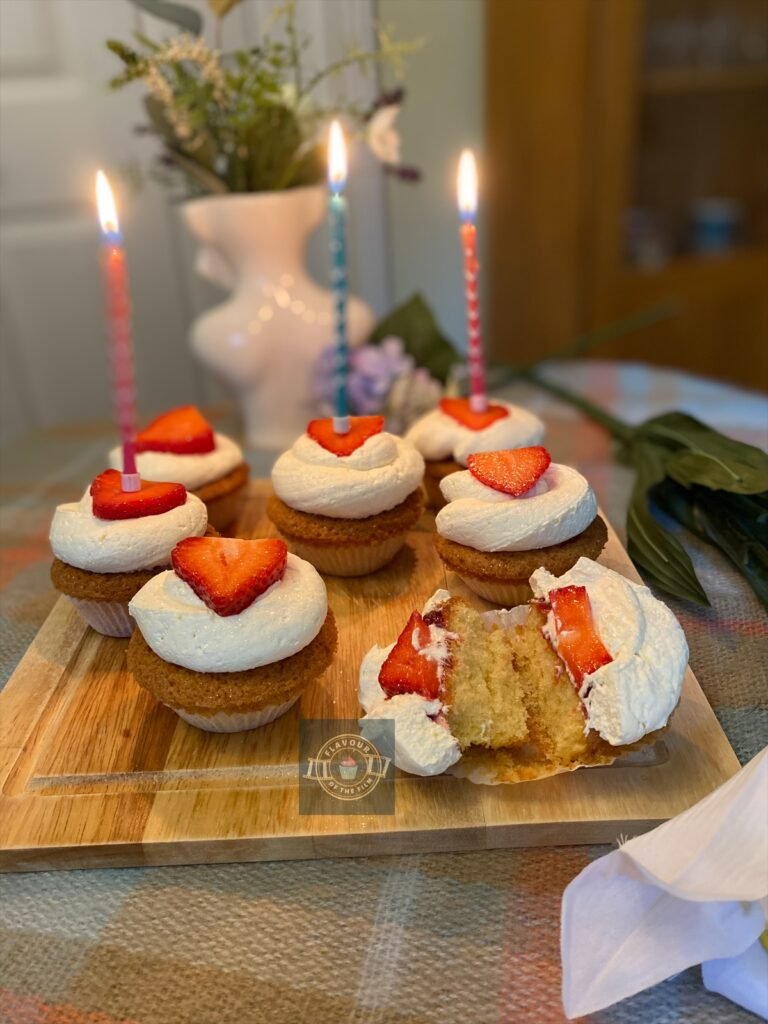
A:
(443, 113)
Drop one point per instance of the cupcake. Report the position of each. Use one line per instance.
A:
(180, 445)
(345, 502)
(511, 513)
(232, 636)
(447, 436)
(111, 542)
(591, 669)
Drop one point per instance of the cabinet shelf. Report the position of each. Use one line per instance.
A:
(685, 81)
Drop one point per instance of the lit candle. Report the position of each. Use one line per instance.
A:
(337, 220)
(119, 326)
(467, 196)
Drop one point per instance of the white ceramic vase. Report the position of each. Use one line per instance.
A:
(266, 337)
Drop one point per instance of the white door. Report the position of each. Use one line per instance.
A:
(58, 123)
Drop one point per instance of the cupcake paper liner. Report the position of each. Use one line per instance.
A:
(241, 721)
(508, 595)
(110, 618)
(355, 560)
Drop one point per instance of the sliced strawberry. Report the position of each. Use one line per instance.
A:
(513, 471)
(406, 669)
(110, 501)
(578, 643)
(360, 429)
(460, 410)
(226, 573)
(184, 431)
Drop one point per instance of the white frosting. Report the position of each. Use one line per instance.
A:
(181, 629)
(376, 477)
(194, 471)
(560, 506)
(637, 691)
(80, 538)
(423, 746)
(439, 436)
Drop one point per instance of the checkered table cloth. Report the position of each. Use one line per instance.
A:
(466, 938)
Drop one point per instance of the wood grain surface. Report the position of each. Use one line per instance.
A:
(95, 773)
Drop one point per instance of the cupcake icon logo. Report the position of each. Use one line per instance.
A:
(347, 767)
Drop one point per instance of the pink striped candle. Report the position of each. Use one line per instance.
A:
(119, 327)
(467, 199)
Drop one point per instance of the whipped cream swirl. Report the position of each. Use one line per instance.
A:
(439, 436)
(181, 629)
(376, 477)
(561, 505)
(80, 538)
(637, 691)
(194, 471)
(424, 745)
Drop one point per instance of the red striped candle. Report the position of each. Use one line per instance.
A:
(467, 199)
(119, 327)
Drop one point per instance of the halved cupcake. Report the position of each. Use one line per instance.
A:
(513, 512)
(345, 502)
(233, 635)
(448, 435)
(590, 670)
(181, 445)
(111, 542)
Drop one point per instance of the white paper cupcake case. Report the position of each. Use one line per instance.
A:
(223, 722)
(508, 595)
(354, 560)
(110, 618)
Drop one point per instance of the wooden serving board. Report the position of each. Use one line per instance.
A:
(95, 773)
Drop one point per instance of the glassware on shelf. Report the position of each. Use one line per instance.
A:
(716, 225)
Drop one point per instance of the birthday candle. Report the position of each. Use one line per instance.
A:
(119, 328)
(337, 220)
(467, 198)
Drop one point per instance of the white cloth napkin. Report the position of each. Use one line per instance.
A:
(692, 891)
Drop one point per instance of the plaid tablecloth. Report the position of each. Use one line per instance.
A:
(433, 939)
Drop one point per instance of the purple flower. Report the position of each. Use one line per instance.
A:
(373, 370)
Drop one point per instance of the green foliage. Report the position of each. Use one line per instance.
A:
(245, 121)
(422, 338)
(712, 485)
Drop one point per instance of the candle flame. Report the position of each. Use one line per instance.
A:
(105, 202)
(467, 185)
(337, 158)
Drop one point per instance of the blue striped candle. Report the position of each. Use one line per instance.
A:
(337, 223)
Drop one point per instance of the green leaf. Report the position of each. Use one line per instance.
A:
(422, 338)
(707, 457)
(186, 18)
(659, 554)
(736, 524)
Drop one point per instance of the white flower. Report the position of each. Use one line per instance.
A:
(381, 135)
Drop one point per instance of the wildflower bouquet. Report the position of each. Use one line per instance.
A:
(252, 120)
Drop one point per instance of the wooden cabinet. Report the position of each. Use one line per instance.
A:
(626, 167)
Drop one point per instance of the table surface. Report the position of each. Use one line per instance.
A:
(466, 938)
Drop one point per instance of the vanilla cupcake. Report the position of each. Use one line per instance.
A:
(511, 513)
(231, 638)
(110, 543)
(345, 502)
(181, 445)
(448, 435)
